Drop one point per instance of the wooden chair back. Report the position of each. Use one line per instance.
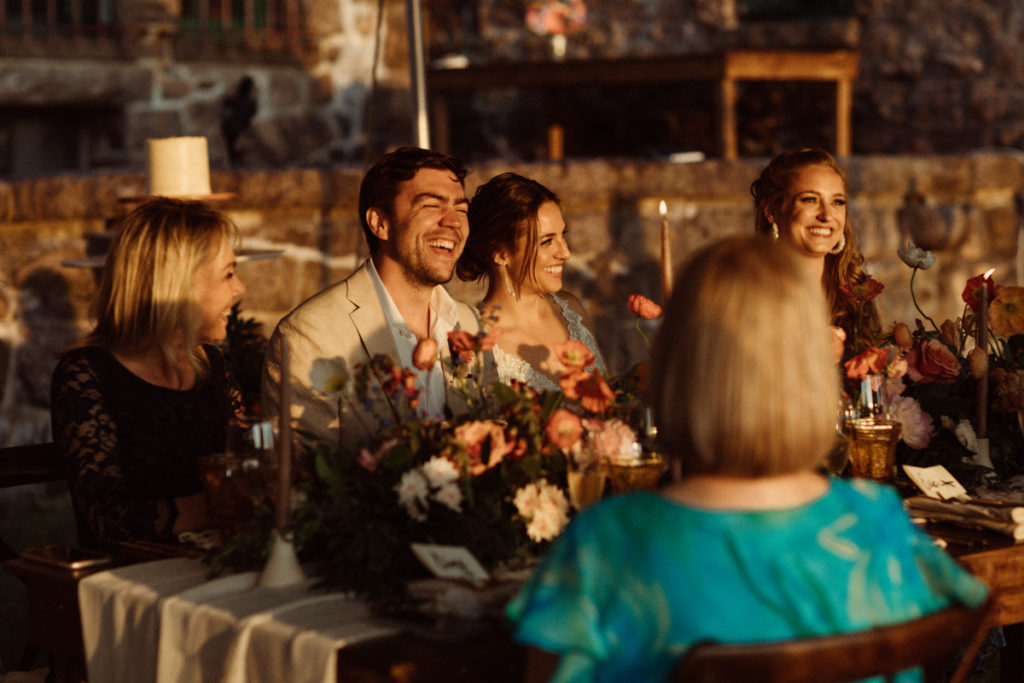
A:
(929, 642)
(21, 465)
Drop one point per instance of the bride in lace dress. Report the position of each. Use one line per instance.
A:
(518, 241)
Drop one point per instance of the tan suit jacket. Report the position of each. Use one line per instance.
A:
(328, 335)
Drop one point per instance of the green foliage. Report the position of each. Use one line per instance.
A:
(244, 347)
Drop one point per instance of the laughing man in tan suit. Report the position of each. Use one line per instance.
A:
(413, 206)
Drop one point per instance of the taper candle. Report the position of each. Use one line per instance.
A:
(284, 432)
(981, 402)
(666, 255)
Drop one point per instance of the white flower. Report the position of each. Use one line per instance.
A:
(526, 500)
(440, 472)
(916, 257)
(966, 436)
(545, 508)
(329, 376)
(412, 489)
(450, 496)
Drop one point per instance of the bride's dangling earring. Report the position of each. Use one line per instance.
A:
(840, 245)
(775, 230)
(508, 283)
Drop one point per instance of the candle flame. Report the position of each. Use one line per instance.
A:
(662, 208)
(988, 274)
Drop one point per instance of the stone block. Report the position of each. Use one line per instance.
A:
(1001, 228)
(144, 123)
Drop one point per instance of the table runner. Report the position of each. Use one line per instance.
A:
(162, 622)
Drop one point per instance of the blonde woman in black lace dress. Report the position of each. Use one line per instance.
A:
(144, 395)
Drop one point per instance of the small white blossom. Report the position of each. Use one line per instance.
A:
(412, 489)
(966, 436)
(526, 500)
(916, 257)
(440, 472)
(450, 496)
(545, 508)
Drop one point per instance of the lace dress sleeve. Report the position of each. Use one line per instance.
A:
(87, 436)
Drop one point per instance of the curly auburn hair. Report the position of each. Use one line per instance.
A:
(846, 268)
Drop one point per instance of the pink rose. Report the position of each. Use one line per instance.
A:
(610, 439)
(425, 354)
(564, 429)
(932, 361)
(644, 307)
(916, 428)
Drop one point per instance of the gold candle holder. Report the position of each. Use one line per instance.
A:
(873, 447)
(635, 475)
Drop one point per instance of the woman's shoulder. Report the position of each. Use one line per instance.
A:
(78, 358)
(571, 301)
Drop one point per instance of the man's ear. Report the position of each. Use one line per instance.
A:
(378, 222)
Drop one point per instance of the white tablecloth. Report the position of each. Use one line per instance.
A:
(163, 622)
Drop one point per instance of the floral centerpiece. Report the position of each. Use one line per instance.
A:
(492, 478)
(933, 379)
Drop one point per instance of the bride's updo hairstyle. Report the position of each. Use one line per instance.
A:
(502, 210)
(743, 381)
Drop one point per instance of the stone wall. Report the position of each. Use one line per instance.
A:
(931, 82)
(964, 207)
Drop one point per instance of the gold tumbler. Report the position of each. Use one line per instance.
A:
(873, 447)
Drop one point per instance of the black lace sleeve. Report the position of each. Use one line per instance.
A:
(88, 436)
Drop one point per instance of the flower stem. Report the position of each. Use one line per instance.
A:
(914, 298)
(642, 335)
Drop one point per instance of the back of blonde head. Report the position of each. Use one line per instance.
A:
(744, 382)
(147, 294)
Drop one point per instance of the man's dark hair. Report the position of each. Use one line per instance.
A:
(382, 182)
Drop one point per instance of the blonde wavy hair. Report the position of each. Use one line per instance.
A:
(743, 381)
(147, 295)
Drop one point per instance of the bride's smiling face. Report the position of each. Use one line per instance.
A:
(552, 250)
(813, 213)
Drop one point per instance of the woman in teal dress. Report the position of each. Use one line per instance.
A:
(749, 542)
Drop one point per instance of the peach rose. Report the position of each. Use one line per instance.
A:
(472, 435)
(932, 361)
(564, 429)
(425, 354)
(644, 307)
(463, 344)
(871, 361)
(902, 336)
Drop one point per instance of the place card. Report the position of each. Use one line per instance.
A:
(936, 482)
(451, 562)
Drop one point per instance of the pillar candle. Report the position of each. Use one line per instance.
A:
(666, 255)
(284, 483)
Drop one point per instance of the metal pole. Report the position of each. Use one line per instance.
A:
(417, 68)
